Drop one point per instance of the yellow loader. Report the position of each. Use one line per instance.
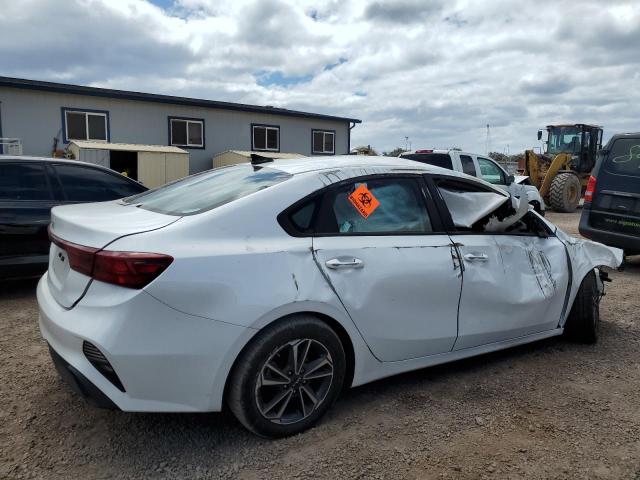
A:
(561, 173)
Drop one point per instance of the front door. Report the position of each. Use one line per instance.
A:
(513, 285)
(395, 275)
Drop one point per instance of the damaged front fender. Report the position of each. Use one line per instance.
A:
(586, 255)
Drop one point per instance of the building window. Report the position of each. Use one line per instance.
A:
(186, 132)
(86, 124)
(324, 142)
(265, 137)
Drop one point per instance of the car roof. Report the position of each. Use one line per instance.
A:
(300, 165)
(341, 167)
(26, 158)
(423, 151)
(625, 135)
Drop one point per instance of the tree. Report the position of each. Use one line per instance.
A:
(364, 150)
(395, 152)
(499, 157)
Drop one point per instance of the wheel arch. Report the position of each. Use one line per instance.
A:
(342, 333)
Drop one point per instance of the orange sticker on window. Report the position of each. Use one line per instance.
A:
(364, 201)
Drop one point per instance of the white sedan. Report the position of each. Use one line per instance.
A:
(272, 286)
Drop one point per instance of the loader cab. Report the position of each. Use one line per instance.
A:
(580, 140)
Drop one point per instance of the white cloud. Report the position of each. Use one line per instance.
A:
(435, 71)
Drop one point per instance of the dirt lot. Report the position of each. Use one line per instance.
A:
(547, 410)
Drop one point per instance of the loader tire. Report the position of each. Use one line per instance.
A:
(565, 191)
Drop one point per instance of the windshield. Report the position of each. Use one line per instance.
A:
(564, 140)
(208, 190)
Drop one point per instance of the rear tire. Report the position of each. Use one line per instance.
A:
(584, 319)
(287, 377)
(565, 192)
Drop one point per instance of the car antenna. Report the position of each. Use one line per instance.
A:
(259, 159)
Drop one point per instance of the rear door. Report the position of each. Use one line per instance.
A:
(26, 200)
(391, 265)
(513, 284)
(616, 202)
(491, 172)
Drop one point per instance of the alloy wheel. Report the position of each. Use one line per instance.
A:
(294, 381)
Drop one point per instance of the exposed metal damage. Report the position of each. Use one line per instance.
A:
(543, 272)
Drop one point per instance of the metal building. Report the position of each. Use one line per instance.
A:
(45, 117)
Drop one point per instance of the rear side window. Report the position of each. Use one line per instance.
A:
(624, 157)
(21, 181)
(84, 184)
(467, 165)
(442, 160)
(208, 190)
(389, 206)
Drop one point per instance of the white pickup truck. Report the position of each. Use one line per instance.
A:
(478, 166)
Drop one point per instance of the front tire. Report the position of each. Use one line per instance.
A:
(287, 377)
(565, 191)
(584, 319)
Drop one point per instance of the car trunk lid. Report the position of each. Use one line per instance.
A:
(79, 231)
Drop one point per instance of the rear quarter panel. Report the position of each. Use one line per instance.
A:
(236, 264)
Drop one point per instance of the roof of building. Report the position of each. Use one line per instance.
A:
(131, 147)
(247, 154)
(152, 97)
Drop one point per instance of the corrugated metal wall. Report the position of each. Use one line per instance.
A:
(97, 157)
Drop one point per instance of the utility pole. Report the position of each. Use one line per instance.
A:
(406, 144)
(488, 142)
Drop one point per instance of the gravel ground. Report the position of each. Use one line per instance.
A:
(546, 410)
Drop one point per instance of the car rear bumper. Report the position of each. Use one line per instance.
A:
(79, 383)
(628, 243)
(166, 361)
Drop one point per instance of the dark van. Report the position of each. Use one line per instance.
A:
(29, 188)
(611, 213)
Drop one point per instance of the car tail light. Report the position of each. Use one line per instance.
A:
(126, 269)
(80, 257)
(591, 188)
(424, 151)
(129, 269)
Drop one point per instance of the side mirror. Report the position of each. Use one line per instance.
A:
(510, 179)
(539, 134)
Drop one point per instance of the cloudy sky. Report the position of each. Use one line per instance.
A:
(435, 71)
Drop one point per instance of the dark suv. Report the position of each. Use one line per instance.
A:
(29, 188)
(611, 213)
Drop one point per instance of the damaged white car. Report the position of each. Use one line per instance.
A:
(272, 286)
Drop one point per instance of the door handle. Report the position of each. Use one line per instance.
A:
(476, 257)
(344, 262)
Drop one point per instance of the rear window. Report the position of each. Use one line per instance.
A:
(624, 157)
(442, 160)
(208, 190)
